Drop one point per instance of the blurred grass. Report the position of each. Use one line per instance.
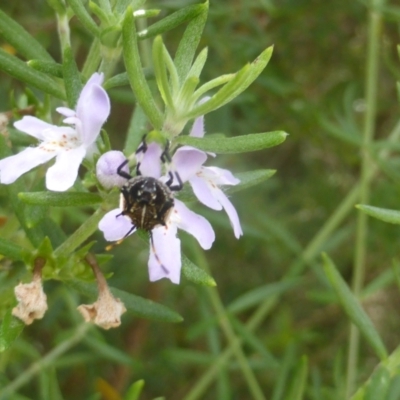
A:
(312, 89)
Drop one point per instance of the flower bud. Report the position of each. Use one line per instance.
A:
(106, 169)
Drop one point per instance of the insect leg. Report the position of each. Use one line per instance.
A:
(123, 173)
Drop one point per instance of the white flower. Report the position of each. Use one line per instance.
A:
(68, 144)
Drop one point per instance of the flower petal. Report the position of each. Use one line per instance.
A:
(187, 161)
(230, 210)
(203, 192)
(115, 226)
(195, 224)
(150, 161)
(11, 168)
(93, 109)
(198, 127)
(33, 126)
(62, 175)
(106, 169)
(165, 254)
(67, 112)
(219, 176)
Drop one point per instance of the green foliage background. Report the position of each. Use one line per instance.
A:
(314, 89)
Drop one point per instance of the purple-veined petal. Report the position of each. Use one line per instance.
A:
(34, 127)
(93, 109)
(203, 192)
(195, 224)
(62, 175)
(115, 226)
(219, 176)
(187, 161)
(11, 168)
(67, 112)
(165, 254)
(106, 169)
(150, 161)
(230, 210)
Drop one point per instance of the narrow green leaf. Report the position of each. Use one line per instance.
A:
(136, 130)
(58, 199)
(284, 378)
(253, 341)
(151, 13)
(190, 40)
(172, 21)
(378, 387)
(235, 86)
(123, 80)
(353, 309)
(198, 65)
(134, 390)
(84, 17)
(238, 144)
(21, 71)
(298, 381)
(21, 40)
(135, 73)
(11, 327)
(101, 14)
(138, 306)
(54, 387)
(384, 214)
(210, 85)
(161, 72)
(13, 251)
(47, 67)
(256, 296)
(72, 79)
(251, 178)
(34, 215)
(195, 274)
(109, 352)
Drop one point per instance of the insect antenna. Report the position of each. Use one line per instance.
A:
(155, 253)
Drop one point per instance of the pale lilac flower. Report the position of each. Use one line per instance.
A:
(68, 144)
(206, 181)
(106, 169)
(165, 247)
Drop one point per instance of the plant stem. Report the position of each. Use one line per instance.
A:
(234, 341)
(44, 362)
(207, 378)
(80, 235)
(63, 31)
(310, 252)
(374, 30)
